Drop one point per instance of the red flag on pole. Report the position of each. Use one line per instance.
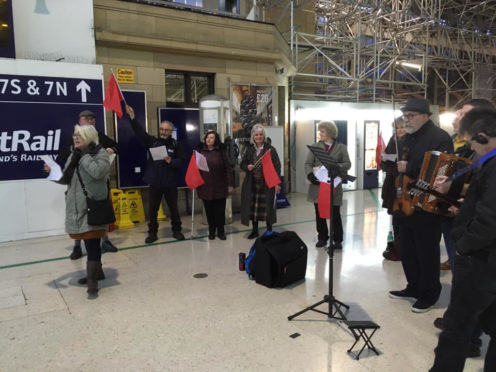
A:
(269, 172)
(324, 200)
(193, 177)
(113, 96)
(381, 147)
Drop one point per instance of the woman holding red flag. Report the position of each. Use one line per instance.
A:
(218, 183)
(257, 199)
(338, 152)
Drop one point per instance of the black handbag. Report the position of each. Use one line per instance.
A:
(99, 212)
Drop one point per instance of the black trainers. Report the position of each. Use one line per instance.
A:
(152, 237)
(107, 246)
(402, 294)
(439, 323)
(422, 306)
(178, 235)
(76, 253)
(320, 244)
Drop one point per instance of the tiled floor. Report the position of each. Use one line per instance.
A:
(152, 314)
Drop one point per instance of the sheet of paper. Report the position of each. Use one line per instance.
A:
(55, 171)
(389, 157)
(321, 175)
(201, 162)
(111, 158)
(158, 153)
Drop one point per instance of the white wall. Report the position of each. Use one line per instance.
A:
(303, 117)
(60, 30)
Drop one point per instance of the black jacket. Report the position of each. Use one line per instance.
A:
(474, 229)
(428, 138)
(159, 173)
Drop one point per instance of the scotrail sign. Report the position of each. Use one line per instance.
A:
(38, 118)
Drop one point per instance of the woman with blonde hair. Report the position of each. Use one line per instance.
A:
(338, 152)
(88, 165)
(257, 200)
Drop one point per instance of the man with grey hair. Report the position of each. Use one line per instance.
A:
(420, 232)
(161, 175)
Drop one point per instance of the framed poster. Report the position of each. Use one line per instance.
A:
(250, 104)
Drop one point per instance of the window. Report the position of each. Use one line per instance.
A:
(185, 89)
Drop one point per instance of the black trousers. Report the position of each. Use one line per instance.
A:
(337, 225)
(94, 249)
(472, 301)
(420, 234)
(170, 195)
(215, 210)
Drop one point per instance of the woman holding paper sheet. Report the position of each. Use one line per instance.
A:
(257, 200)
(338, 152)
(216, 171)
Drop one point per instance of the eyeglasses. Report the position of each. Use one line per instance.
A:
(410, 116)
(76, 135)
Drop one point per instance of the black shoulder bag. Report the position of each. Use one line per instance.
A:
(99, 212)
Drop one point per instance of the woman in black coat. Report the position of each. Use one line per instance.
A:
(257, 200)
(218, 183)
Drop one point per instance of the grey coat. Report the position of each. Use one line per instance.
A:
(94, 170)
(246, 190)
(338, 154)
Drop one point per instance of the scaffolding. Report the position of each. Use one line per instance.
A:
(377, 51)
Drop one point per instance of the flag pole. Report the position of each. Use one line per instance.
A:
(118, 86)
(193, 214)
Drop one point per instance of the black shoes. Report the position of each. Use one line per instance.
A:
(222, 236)
(152, 237)
(320, 244)
(178, 235)
(76, 253)
(211, 236)
(403, 294)
(107, 246)
(422, 306)
(337, 245)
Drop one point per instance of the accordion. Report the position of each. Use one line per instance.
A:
(435, 164)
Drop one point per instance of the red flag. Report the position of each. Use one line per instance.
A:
(193, 177)
(113, 96)
(324, 200)
(269, 172)
(381, 147)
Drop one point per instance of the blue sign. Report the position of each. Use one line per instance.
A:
(38, 118)
(132, 157)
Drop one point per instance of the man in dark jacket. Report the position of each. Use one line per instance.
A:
(161, 175)
(473, 292)
(87, 117)
(420, 232)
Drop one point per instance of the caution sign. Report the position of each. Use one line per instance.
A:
(125, 75)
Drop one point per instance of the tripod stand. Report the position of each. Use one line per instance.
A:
(334, 311)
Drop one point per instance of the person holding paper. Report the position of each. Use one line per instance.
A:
(217, 174)
(88, 165)
(328, 133)
(160, 174)
(87, 117)
(257, 200)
